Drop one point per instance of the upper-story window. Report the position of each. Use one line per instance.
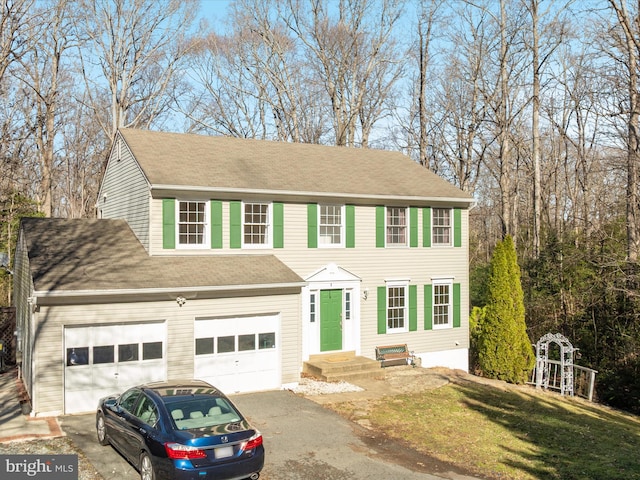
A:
(441, 220)
(331, 227)
(396, 226)
(192, 222)
(256, 224)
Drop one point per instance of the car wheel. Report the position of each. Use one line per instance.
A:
(101, 430)
(146, 469)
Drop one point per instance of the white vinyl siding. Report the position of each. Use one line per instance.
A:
(125, 194)
(372, 265)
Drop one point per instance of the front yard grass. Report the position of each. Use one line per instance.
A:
(511, 433)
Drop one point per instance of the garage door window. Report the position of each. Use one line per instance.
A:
(204, 346)
(128, 353)
(227, 344)
(103, 354)
(266, 340)
(152, 350)
(246, 343)
(77, 356)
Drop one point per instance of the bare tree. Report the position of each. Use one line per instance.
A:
(425, 34)
(42, 74)
(551, 32)
(625, 38)
(253, 81)
(133, 52)
(353, 55)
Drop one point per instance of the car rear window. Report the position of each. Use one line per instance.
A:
(200, 411)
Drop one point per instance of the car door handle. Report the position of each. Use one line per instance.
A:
(143, 431)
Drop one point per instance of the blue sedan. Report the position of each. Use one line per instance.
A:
(180, 430)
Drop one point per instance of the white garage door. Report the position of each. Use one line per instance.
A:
(238, 354)
(106, 359)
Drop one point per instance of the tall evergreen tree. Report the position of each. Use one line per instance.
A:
(504, 349)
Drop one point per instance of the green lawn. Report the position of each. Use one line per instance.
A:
(512, 433)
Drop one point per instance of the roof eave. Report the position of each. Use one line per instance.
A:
(239, 193)
(191, 291)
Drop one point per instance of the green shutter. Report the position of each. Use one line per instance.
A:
(428, 307)
(216, 224)
(380, 226)
(413, 227)
(350, 212)
(312, 225)
(168, 223)
(456, 305)
(382, 310)
(426, 227)
(413, 308)
(278, 225)
(235, 224)
(457, 227)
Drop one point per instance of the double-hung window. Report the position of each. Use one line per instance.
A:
(442, 304)
(192, 223)
(331, 227)
(256, 224)
(397, 308)
(396, 226)
(441, 221)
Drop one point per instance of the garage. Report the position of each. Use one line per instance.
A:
(104, 359)
(239, 354)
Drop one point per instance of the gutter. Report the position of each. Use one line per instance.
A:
(37, 294)
(246, 192)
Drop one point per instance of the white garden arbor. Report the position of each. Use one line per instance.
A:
(544, 370)
(561, 375)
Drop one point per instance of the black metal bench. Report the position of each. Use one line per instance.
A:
(395, 355)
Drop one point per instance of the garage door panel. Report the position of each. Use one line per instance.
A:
(105, 359)
(238, 354)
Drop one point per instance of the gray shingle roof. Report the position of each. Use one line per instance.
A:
(81, 254)
(176, 159)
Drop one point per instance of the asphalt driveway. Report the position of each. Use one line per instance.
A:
(302, 440)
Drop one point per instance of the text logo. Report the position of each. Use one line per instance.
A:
(39, 467)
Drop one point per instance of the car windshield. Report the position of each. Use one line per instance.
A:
(201, 411)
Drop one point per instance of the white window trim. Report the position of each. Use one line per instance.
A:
(398, 284)
(433, 233)
(347, 298)
(449, 283)
(206, 239)
(406, 226)
(269, 234)
(342, 226)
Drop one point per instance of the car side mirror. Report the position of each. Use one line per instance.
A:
(112, 404)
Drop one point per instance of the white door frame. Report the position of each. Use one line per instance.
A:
(330, 277)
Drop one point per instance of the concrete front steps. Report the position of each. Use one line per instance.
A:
(342, 366)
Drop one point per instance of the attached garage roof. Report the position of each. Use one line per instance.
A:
(174, 160)
(70, 255)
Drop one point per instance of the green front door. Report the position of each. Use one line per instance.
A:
(330, 320)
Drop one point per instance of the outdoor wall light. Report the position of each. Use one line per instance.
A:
(365, 294)
(180, 300)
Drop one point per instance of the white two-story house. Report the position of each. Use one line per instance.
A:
(234, 261)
